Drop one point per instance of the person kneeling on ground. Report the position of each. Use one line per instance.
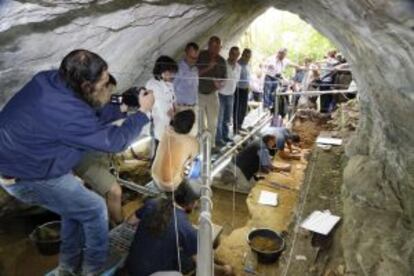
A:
(176, 149)
(284, 138)
(159, 233)
(251, 160)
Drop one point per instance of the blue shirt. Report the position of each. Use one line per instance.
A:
(244, 75)
(186, 83)
(281, 134)
(150, 253)
(46, 128)
(299, 76)
(264, 156)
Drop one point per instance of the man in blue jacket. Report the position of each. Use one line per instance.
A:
(44, 131)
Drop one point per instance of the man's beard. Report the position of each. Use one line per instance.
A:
(97, 99)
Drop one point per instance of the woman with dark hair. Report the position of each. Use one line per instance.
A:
(164, 225)
(162, 85)
(155, 246)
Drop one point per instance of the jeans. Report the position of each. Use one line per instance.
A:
(84, 218)
(257, 96)
(269, 88)
(326, 99)
(224, 117)
(241, 98)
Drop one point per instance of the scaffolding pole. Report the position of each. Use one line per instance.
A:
(205, 259)
(316, 93)
(261, 122)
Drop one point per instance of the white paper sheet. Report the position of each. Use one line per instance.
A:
(320, 222)
(329, 141)
(268, 198)
(324, 147)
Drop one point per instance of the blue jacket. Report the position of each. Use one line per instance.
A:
(46, 128)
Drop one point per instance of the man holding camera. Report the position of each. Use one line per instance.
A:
(45, 129)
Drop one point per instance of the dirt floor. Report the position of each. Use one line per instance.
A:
(314, 185)
(234, 248)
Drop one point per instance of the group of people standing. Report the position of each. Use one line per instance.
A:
(332, 72)
(206, 83)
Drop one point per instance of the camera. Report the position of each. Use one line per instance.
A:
(130, 97)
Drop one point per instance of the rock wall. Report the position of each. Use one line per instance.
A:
(130, 35)
(376, 36)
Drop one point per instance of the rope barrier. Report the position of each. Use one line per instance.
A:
(316, 93)
(300, 214)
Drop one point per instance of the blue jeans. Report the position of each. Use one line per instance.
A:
(326, 99)
(241, 99)
(269, 88)
(225, 111)
(84, 219)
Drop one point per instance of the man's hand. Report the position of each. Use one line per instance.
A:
(264, 170)
(223, 270)
(124, 108)
(228, 270)
(170, 112)
(219, 84)
(211, 64)
(146, 101)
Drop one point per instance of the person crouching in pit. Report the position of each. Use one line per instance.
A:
(165, 240)
(176, 149)
(250, 161)
(287, 142)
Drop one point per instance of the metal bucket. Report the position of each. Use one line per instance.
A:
(267, 256)
(46, 238)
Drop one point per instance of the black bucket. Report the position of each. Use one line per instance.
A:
(273, 239)
(46, 237)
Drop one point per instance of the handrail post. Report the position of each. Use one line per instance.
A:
(205, 259)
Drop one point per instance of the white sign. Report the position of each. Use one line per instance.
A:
(268, 198)
(329, 141)
(320, 222)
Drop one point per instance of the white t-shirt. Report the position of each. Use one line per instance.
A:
(275, 66)
(256, 83)
(164, 97)
(233, 75)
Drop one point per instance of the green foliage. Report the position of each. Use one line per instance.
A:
(276, 29)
